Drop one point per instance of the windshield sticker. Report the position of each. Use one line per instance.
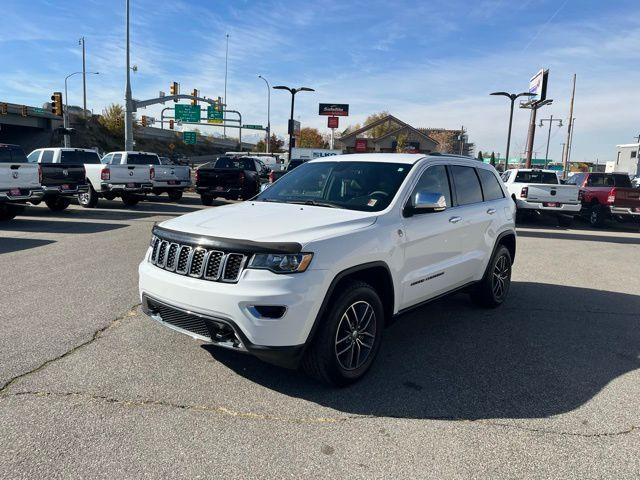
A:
(372, 202)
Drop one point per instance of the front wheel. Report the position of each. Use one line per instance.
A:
(88, 199)
(565, 220)
(597, 216)
(207, 200)
(57, 204)
(348, 337)
(175, 195)
(492, 290)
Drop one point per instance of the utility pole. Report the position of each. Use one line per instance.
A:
(226, 65)
(84, 80)
(461, 139)
(570, 145)
(550, 120)
(565, 158)
(128, 115)
(268, 140)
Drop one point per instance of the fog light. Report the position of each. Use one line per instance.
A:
(268, 311)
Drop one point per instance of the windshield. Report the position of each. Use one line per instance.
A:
(537, 177)
(367, 186)
(237, 163)
(142, 159)
(78, 156)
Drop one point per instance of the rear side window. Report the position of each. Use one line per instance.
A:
(466, 184)
(490, 186)
(33, 157)
(116, 159)
(79, 156)
(47, 157)
(600, 180)
(142, 159)
(537, 177)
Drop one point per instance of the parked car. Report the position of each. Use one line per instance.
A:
(63, 174)
(115, 177)
(311, 270)
(230, 178)
(540, 192)
(607, 195)
(276, 174)
(19, 181)
(168, 178)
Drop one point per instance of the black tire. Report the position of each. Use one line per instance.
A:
(175, 195)
(206, 200)
(8, 212)
(130, 200)
(35, 202)
(565, 220)
(57, 204)
(89, 199)
(491, 291)
(109, 196)
(331, 359)
(597, 216)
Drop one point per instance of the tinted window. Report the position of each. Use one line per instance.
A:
(296, 162)
(237, 163)
(467, 185)
(142, 159)
(79, 157)
(33, 156)
(491, 189)
(622, 181)
(47, 157)
(434, 180)
(107, 159)
(600, 180)
(116, 159)
(5, 155)
(537, 176)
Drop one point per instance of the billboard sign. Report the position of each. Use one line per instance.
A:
(361, 145)
(538, 85)
(333, 122)
(334, 109)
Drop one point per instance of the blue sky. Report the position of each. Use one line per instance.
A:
(430, 63)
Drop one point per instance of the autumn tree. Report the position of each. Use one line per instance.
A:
(310, 138)
(275, 145)
(381, 129)
(112, 119)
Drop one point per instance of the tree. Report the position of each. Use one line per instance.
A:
(401, 143)
(112, 119)
(311, 138)
(446, 138)
(383, 128)
(480, 157)
(493, 159)
(275, 145)
(350, 128)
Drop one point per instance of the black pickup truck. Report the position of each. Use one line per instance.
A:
(63, 176)
(230, 178)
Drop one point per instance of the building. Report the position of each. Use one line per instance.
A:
(388, 134)
(627, 159)
(451, 141)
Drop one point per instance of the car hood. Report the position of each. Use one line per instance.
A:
(271, 222)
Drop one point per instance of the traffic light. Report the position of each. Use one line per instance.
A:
(24, 111)
(56, 103)
(143, 120)
(171, 122)
(4, 108)
(174, 89)
(195, 94)
(219, 104)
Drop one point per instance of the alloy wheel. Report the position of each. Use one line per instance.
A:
(500, 278)
(355, 336)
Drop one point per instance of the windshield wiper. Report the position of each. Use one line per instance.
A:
(314, 203)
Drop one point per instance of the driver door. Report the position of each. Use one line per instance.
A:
(432, 249)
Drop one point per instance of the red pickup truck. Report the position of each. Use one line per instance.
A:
(607, 195)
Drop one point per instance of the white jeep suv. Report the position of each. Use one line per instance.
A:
(310, 271)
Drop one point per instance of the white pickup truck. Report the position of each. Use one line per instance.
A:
(170, 179)
(19, 181)
(540, 192)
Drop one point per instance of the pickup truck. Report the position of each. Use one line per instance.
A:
(115, 177)
(170, 179)
(607, 195)
(230, 178)
(540, 192)
(19, 181)
(63, 175)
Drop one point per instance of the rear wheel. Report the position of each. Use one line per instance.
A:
(57, 204)
(348, 337)
(88, 199)
(597, 216)
(565, 220)
(206, 200)
(175, 195)
(110, 196)
(8, 211)
(492, 290)
(130, 200)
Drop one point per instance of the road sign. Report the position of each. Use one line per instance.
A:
(214, 115)
(187, 113)
(334, 109)
(253, 127)
(190, 138)
(333, 122)
(294, 128)
(38, 110)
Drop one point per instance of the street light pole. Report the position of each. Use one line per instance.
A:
(268, 112)
(293, 92)
(128, 116)
(84, 79)
(226, 64)
(65, 112)
(512, 97)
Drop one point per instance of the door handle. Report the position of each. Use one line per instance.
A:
(455, 219)
(491, 211)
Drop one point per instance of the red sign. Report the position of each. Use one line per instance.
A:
(361, 144)
(333, 122)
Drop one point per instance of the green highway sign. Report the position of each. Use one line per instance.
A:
(190, 138)
(187, 113)
(214, 115)
(253, 127)
(38, 110)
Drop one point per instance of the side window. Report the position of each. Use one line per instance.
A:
(117, 158)
(106, 159)
(434, 180)
(491, 189)
(505, 176)
(467, 185)
(33, 156)
(47, 157)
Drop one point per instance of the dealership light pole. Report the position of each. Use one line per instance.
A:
(226, 65)
(550, 120)
(268, 112)
(128, 104)
(512, 97)
(293, 92)
(65, 117)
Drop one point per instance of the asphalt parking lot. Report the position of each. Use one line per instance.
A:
(548, 386)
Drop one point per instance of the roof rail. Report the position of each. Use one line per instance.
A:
(439, 154)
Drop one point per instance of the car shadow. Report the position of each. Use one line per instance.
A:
(579, 237)
(10, 244)
(21, 224)
(547, 351)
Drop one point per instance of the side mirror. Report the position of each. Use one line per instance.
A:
(426, 202)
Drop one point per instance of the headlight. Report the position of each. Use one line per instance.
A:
(281, 263)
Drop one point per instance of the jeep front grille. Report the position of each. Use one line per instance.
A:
(197, 262)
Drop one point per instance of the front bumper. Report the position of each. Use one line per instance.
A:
(25, 195)
(231, 304)
(566, 208)
(126, 187)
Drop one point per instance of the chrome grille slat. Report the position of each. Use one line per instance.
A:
(197, 261)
